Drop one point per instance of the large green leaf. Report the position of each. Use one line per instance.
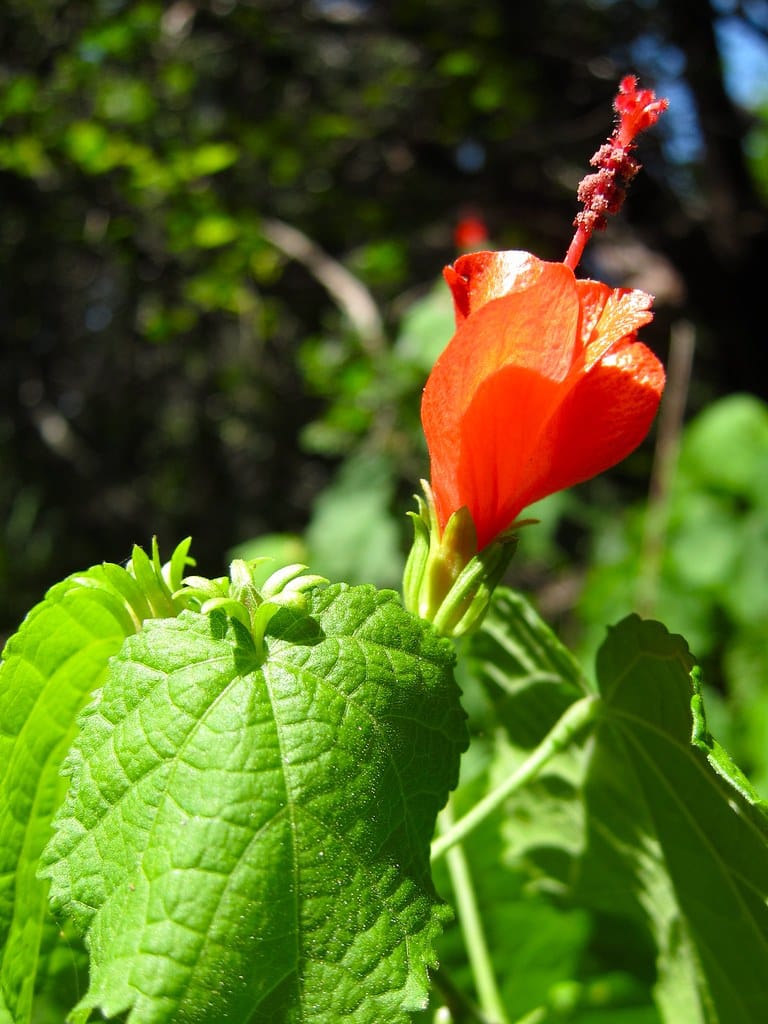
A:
(50, 668)
(246, 838)
(675, 833)
(645, 821)
(531, 680)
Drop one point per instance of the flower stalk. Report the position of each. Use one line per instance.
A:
(567, 727)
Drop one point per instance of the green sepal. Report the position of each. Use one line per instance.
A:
(446, 580)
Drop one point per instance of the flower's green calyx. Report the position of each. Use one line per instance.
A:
(447, 581)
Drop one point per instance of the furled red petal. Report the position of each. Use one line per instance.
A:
(542, 386)
(533, 329)
(478, 277)
(604, 417)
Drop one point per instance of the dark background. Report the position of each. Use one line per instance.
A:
(170, 367)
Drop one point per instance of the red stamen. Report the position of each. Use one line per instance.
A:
(603, 193)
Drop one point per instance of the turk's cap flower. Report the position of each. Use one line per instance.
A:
(543, 385)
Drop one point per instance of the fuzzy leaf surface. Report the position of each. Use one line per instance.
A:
(50, 667)
(248, 841)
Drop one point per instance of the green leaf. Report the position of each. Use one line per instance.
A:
(531, 679)
(534, 945)
(675, 835)
(210, 158)
(215, 229)
(50, 668)
(646, 822)
(544, 952)
(530, 675)
(426, 328)
(246, 838)
(726, 449)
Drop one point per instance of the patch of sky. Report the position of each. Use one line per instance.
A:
(741, 37)
(744, 51)
(679, 128)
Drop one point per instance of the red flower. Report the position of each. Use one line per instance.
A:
(542, 386)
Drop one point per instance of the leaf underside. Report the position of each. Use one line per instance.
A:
(646, 820)
(676, 832)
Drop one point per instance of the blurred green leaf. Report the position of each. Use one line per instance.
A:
(726, 449)
(206, 159)
(352, 534)
(426, 328)
(214, 230)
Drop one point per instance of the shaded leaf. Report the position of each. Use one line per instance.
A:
(675, 832)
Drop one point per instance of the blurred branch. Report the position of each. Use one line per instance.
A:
(681, 348)
(59, 436)
(346, 290)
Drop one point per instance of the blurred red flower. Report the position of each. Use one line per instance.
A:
(543, 385)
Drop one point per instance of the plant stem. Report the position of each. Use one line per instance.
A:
(562, 732)
(468, 914)
(537, 1016)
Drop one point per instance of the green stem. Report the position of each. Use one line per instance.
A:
(573, 721)
(468, 914)
(537, 1016)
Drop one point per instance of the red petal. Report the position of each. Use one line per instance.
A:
(605, 416)
(609, 315)
(534, 330)
(498, 451)
(479, 277)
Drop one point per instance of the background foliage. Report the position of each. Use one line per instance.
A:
(183, 355)
(222, 225)
(221, 229)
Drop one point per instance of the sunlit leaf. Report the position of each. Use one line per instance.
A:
(50, 668)
(247, 840)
